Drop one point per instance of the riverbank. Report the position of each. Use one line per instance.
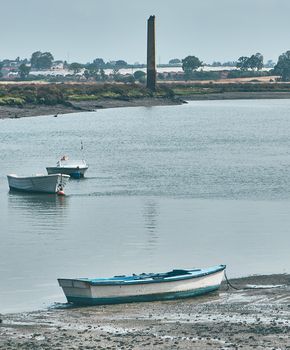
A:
(31, 99)
(30, 110)
(229, 319)
(239, 95)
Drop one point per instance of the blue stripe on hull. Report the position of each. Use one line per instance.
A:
(142, 298)
(68, 171)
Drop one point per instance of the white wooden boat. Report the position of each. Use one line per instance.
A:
(75, 169)
(38, 183)
(171, 285)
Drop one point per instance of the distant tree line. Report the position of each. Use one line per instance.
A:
(253, 62)
(282, 67)
(245, 66)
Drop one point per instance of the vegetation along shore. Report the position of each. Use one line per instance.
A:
(42, 85)
(33, 99)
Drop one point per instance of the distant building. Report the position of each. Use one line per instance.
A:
(57, 65)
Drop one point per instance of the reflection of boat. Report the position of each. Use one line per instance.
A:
(38, 183)
(75, 169)
(39, 211)
(171, 285)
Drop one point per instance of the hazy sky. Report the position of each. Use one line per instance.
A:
(81, 30)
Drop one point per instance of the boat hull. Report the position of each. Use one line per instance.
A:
(81, 292)
(73, 172)
(42, 183)
(82, 301)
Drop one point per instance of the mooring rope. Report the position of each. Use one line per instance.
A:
(229, 285)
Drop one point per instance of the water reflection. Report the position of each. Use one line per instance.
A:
(38, 209)
(150, 215)
(195, 185)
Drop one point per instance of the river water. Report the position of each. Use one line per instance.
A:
(167, 187)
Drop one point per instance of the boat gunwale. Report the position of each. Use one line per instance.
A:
(14, 176)
(110, 282)
(68, 167)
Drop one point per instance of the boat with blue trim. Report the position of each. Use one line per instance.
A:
(75, 169)
(170, 285)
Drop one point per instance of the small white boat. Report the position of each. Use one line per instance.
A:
(171, 285)
(75, 169)
(38, 183)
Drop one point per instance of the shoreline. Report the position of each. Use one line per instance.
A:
(14, 112)
(228, 319)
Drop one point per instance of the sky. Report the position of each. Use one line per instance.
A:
(82, 30)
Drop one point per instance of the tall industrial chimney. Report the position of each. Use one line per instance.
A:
(151, 65)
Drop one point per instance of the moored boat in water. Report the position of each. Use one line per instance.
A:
(38, 183)
(75, 168)
(171, 285)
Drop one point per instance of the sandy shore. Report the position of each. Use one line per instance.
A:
(257, 318)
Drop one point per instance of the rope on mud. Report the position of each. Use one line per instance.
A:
(229, 283)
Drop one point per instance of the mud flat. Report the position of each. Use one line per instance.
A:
(93, 105)
(81, 106)
(257, 316)
(240, 95)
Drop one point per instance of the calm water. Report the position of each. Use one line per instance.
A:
(181, 186)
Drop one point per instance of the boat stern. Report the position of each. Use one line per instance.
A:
(61, 182)
(75, 289)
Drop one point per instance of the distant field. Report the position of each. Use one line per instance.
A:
(265, 79)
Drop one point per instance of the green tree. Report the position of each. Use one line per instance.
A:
(1, 66)
(94, 72)
(121, 64)
(129, 79)
(75, 67)
(269, 64)
(23, 71)
(140, 76)
(87, 74)
(253, 62)
(189, 64)
(216, 64)
(103, 75)
(174, 61)
(116, 73)
(256, 61)
(34, 59)
(282, 67)
(41, 60)
(99, 63)
(243, 63)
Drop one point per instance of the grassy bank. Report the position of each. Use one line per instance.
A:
(33, 99)
(187, 90)
(64, 94)
(57, 94)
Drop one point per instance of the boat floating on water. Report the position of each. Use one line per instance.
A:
(76, 168)
(175, 284)
(38, 183)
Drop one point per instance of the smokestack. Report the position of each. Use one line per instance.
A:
(151, 65)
